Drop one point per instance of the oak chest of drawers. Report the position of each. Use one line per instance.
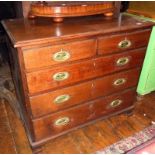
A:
(70, 74)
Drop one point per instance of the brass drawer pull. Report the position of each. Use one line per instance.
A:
(61, 56)
(62, 121)
(122, 61)
(115, 103)
(61, 99)
(124, 44)
(119, 81)
(60, 76)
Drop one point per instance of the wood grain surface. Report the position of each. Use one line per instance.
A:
(44, 103)
(110, 45)
(39, 40)
(45, 127)
(44, 55)
(24, 32)
(81, 71)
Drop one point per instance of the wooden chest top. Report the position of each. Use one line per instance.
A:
(23, 32)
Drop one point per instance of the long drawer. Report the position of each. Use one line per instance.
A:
(66, 75)
(117, 43)
(63, 121)
(56, 54)
(63, 98)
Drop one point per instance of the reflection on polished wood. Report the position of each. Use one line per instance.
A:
(86, 140)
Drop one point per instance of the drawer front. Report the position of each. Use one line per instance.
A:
(62, 121)
(116, 82)
(114, 102)
(70, 74)
(60, 99)
(51, 55)
(117, 62)
(73, 95)
(60, 76)
(117, 43)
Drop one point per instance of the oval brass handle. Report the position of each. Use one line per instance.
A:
(122, 61)
(119, 81)
(115, 103)
(124, 44)
(60, 76)
(61, 99)
(61, 56)
(62, 121)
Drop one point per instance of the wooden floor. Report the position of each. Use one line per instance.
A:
(86, 140)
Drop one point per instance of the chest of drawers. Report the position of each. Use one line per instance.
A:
(70, 74)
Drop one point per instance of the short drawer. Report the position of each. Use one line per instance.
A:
(122, 42)
(63, 98)
(56, 54)
(61, 122)
(62, 76)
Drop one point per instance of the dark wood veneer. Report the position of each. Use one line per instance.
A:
(44, 127)
(81, 71)
(44, 103)
(44, 55)
(110, 44)
(94, 64)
